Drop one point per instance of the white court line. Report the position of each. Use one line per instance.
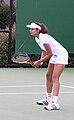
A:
(35, 93)
(66, 86)
(21, 86)
(23, 93)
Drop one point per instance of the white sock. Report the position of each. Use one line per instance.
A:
(55, 98)
(48, 94)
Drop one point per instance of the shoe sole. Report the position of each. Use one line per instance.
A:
(39, 103)
(51, 109)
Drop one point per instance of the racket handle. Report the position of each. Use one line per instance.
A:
(26, 62)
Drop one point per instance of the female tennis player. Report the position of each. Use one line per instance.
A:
(58, 58)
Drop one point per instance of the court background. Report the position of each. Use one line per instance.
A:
(56, 15)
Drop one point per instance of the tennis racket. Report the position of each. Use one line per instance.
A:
(21, 58)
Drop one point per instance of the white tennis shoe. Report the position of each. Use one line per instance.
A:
(44, 101)
(52, 106)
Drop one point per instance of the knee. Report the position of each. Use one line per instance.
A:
(48, 76)
(55, 78)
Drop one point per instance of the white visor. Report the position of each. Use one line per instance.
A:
(33, 25)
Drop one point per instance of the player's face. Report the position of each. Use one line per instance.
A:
(34, 32)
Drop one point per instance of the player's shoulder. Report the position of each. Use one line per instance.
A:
(45, 35)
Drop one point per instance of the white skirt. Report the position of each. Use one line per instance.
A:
(59, 59)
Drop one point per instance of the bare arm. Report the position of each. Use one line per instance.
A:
(45, 55)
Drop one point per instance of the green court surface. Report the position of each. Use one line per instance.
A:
(20, 88)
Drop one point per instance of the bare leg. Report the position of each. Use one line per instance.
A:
(48, 98)
(49, 78)
(58, 68)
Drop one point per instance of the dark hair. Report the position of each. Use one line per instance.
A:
(43, 28)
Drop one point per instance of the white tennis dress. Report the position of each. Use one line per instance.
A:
(60, 54)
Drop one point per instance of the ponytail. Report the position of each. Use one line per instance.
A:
(43, 28)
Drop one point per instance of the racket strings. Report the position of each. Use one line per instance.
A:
(21, 58)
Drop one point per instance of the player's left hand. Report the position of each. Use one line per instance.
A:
(36, 63)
